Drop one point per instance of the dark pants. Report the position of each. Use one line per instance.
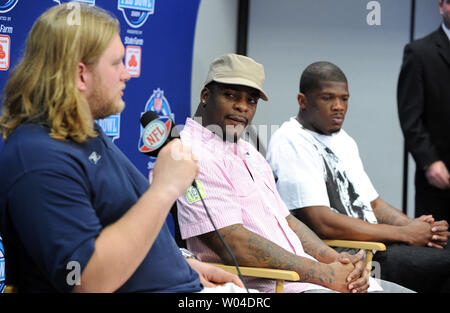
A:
(431, 200)
(421, 269)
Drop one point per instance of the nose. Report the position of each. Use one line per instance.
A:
(125, 74)
(241, 105)
(339, 105)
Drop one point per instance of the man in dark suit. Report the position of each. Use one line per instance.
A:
(424, 111)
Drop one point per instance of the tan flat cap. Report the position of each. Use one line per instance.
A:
(237, 69)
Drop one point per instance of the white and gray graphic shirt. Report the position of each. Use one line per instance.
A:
(318, 170)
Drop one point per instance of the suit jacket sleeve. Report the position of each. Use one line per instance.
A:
(410, 99)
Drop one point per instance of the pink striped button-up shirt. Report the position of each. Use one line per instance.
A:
(238, 187)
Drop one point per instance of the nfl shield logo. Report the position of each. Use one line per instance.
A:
(155, 134)
(158, 104)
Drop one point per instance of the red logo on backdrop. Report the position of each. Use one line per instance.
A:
(155, 134)
(133, 58)
(5, 46)
(133, 62)
(158, 104)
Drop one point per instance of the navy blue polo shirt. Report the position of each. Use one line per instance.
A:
(55, 199)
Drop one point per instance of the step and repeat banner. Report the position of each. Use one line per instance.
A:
(158, 36)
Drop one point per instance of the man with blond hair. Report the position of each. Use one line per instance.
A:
(75, 214)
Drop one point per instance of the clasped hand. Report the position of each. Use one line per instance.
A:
(357, 281)
(439, 231)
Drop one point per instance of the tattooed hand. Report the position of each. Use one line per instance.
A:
(358, 279)
(337, 276)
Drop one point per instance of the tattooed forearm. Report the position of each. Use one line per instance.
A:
(250, 249)
(386, 214)
(311, 243)
(267, 254)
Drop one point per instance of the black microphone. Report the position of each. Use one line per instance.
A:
(158, 131)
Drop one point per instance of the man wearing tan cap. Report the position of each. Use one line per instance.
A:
(232, 75)
(238, 188)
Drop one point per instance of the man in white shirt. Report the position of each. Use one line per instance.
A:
(321, 178)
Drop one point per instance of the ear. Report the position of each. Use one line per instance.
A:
(82, 77)
(204, 96)
(302, 101)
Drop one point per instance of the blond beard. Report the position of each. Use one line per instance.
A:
(101, 106)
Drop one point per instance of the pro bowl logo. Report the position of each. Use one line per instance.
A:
(149, 138)
(91, 2)
(159, 104)
(7, 5)
(111, 126)
(136, 12)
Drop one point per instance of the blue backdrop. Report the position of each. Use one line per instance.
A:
(158, 36)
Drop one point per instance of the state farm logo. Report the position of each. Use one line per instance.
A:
(5, 45)
(133, 57)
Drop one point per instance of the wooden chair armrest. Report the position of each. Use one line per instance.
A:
(367, 245)
(10, 289)
(261, 272)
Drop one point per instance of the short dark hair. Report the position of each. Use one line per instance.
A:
(213, 85)
(317, 72)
